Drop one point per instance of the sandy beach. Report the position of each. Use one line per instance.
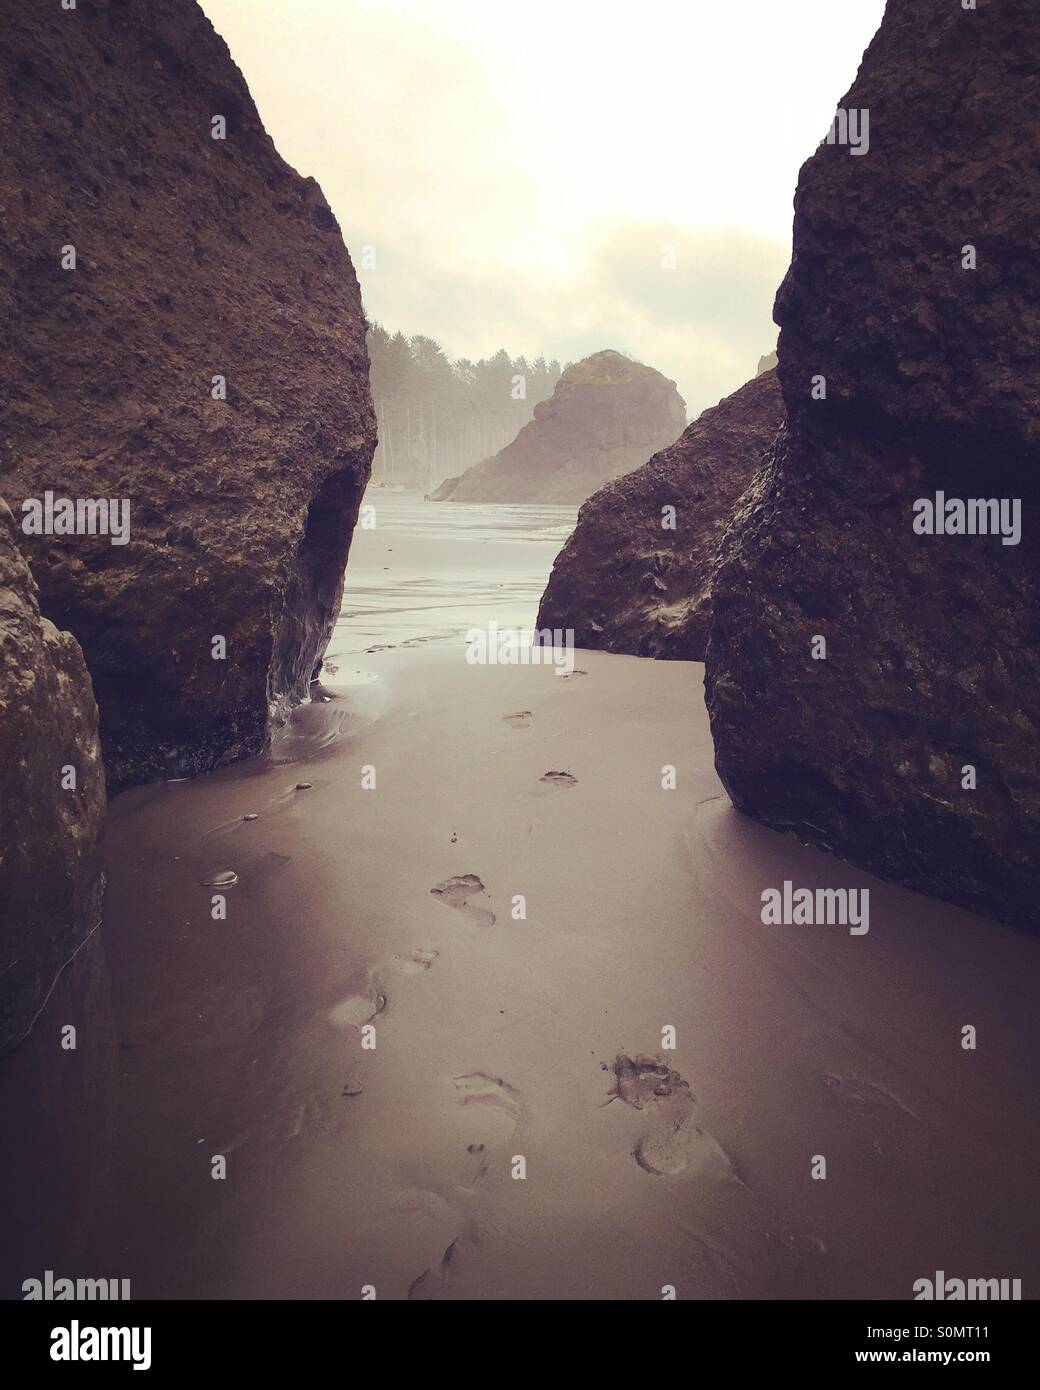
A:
(520, 1129)
(519, 674)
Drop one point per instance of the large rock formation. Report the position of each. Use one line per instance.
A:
(913, 748)
(605, 417)
(203, 266)
(633, 576)
(52, 796)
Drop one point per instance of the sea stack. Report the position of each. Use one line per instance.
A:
(634, 574)
(185, 342)
(605, 417)
(874, 688)
(52, 791)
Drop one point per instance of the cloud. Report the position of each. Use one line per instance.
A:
(519, 169)
(695, 304)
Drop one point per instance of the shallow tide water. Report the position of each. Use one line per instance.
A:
(426, 572)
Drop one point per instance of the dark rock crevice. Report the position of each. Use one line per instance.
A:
(315, 589)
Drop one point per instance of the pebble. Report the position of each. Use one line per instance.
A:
(227, 878)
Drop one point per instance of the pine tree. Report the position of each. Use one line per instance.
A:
(436, 417)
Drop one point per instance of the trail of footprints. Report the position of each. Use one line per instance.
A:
(672, 1146)
(491, 1109)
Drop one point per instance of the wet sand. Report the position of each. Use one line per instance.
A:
(500, 1039)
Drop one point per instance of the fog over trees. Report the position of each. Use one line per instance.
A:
(436, 417)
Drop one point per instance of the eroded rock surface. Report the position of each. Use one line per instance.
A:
(205, 360)
(52, 796)
(626, 581)
(931, 679)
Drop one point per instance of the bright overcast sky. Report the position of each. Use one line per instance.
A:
(521, 169)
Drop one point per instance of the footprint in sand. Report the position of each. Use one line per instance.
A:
(436, 1225)
(645, 1081)
(427, 1285)
(559, 779)
(457, 892)
(682, 1148)
(675, 1145)
(856, 1093)
(520, 720)
(415, 962)
(493, 1109)
(360, 1009)
(356, 1011)
(490, 1092)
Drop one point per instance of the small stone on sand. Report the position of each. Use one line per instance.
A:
(226, 878)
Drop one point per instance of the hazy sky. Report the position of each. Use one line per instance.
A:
(525, 172)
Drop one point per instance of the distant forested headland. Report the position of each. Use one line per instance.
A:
(436, 417)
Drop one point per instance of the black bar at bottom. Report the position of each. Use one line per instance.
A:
(173, 1339)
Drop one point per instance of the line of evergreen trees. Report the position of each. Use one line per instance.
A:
(437, 417)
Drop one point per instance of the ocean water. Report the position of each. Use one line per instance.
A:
(427, 572)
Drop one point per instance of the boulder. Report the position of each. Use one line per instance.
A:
(185, 338)
(634, 575)
(874, 688)
(52, 796)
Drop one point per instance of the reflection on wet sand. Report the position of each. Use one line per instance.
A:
(449, 995)
(58, 1097)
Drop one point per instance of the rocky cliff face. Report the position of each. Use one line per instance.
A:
(52, 796)
(634, 574)
(185, 336)
(912, 747)
(605, 417)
